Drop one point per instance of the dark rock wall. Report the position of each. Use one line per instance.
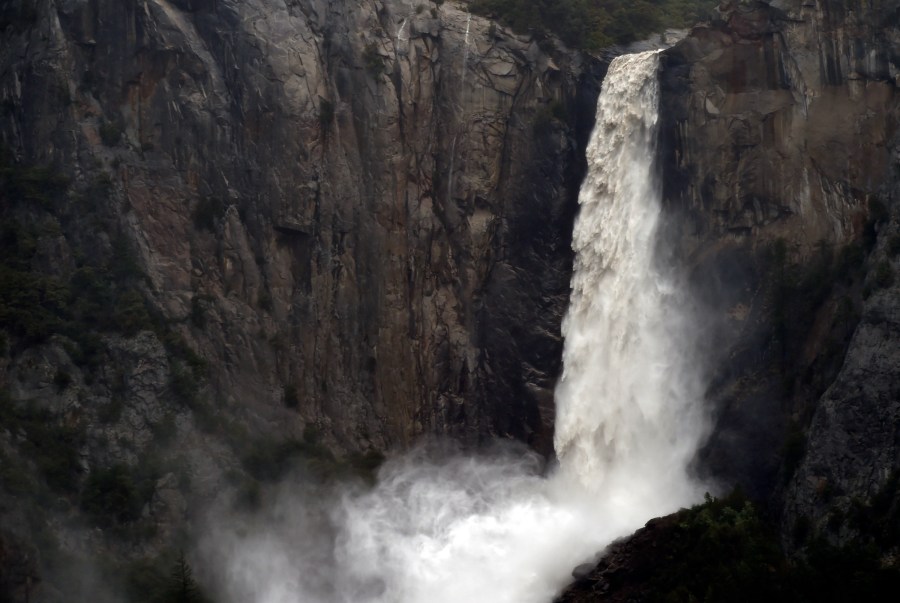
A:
(780, 120)
(350, 222)
(389, 193)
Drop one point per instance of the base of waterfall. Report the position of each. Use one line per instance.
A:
(438, 526)
(451, 528)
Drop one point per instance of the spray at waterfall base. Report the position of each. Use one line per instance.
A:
(450, 528)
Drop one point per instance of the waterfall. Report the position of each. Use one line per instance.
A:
(628, 413)
(446, 528)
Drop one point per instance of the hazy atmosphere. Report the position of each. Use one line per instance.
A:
(521, 301)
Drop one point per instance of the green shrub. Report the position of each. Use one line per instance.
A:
(884, 275)
(52, 444)
(794, 449)
(198, 311)
(877, 215)
(291, 397)
(21, 16)
(144, 579)
(853, 572)
(62, 380)
(167, 578)
(123, 264)
(268, 460)
(14, 479)
(850, 261)
(110, 133)
(46, 440)
(264, 301)
(181, 586)
(31, 305)
(248, 496)
(326, 114)
(373, 61)
(111, 496)
(111, 411)
(88, 350)
(130, 314)
(893, 245)
(38, 185)
(184, 385)
(558, 111)
(179, 349)
(542, 125)
(207, 213)
(878, 520)
(718, 551)
(165, 430)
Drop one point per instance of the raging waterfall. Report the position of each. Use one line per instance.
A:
(628, 415)
(495, 528)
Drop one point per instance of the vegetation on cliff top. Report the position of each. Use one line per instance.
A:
(596, 24)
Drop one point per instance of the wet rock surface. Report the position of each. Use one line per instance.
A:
(779, 121)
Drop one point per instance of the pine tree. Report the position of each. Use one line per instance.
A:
(182, 587)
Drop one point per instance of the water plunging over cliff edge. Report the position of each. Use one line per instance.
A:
(628, 405)
(441, 528)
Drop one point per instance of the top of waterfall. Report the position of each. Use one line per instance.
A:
(658, 41)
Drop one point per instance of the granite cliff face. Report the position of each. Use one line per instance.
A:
(781, 118)
(780, 171)
(779, 156)
(357, 215)
(369, 204)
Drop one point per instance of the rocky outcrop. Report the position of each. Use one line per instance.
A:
(780, 121)
(370, 204)
(625, 568)
(779, 125)
(852, 456)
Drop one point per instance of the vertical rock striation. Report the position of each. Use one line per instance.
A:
(780, 169)
(369, 204)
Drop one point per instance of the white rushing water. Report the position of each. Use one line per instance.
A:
(628, 413)
(447, 528)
